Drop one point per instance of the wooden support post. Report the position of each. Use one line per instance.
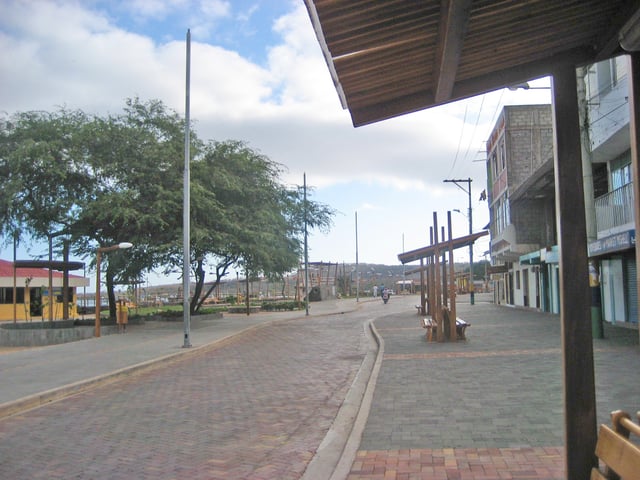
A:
(634, 123)
(445, 286)
(453, 335)
(423, 300)
(575, 305)
(437, 310)
(430, 279)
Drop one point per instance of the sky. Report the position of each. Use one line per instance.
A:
(258, 75)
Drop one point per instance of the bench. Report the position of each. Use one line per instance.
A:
(619, 457)
(432, 328)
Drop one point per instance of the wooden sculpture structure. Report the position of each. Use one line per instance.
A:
(437, 286)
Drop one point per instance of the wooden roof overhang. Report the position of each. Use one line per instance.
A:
(392, 57)
(431, 250)
(388, 58)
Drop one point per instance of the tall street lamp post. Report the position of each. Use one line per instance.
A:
(468, 192)
(99, 251)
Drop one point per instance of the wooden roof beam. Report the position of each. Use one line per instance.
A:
(454, 18)
(468, 88)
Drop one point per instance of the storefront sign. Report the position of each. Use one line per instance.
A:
(613, 243)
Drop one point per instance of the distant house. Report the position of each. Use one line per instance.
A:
(32, 293)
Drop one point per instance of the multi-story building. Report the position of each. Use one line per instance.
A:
(608, 138)
(521, 197)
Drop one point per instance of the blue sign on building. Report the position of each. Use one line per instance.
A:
(614, 243)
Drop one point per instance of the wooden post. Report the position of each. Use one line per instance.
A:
(634, 122)
(247, 301)
(445, 286)
(65, 280)
(437, 309)
(452, 285)
(430, 279)
(423, 300)
(575, 304)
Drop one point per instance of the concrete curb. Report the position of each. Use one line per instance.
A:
(337, 452)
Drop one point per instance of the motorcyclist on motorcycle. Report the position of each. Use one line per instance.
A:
(386, 293)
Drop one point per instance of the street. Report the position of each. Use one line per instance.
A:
(258, 406)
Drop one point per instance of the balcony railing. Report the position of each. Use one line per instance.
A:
(614, 211)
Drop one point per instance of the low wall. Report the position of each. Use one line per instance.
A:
(38, 334)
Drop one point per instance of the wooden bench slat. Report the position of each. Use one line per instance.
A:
(617, 453)
(629, 425)
(597, 475)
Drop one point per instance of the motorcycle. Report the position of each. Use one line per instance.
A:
(385, 296)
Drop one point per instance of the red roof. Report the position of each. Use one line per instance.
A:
(6, 270)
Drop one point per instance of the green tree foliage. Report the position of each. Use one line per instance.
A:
(243, 216)
(44, 177)
(136, 162)
(105, 180)
(100, 181)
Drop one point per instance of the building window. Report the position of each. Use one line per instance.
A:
(607, 75)
(494, 164)
(502, 214)
(6, 295)
(620, 172)
(60, 297)
(621, 177)
(517, 279)
(507, 212)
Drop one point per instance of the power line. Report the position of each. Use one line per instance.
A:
(466, 155)
(464, 122)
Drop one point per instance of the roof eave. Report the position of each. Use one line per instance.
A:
(317, 28)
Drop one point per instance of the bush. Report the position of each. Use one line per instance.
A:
(279, 306)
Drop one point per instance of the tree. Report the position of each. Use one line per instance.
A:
(135, 161)
(99, 180)
(106, 180)
(44, 180)
(243, 216)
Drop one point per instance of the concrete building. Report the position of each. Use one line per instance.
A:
(521, 199)
(520, 171)
(612, 251)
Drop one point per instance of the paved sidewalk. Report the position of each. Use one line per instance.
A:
(489, 408)
(38, 375)
(259, 405)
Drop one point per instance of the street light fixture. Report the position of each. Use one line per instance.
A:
(99, 251)
(525, 86)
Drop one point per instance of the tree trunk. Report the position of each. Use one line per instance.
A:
(110, 291)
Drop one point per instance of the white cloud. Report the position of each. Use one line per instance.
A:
(62, 53)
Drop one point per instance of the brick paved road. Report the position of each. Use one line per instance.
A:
(255, 408)
(258, 406)
(489, 408)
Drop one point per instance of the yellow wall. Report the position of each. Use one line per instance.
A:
(23, 309)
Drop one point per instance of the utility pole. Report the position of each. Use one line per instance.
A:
(306, 248)
(186, 204)
(468, 181)
(357, 267)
